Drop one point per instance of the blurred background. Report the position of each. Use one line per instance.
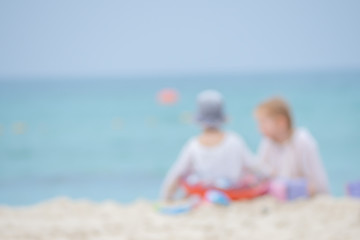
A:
(96, 97)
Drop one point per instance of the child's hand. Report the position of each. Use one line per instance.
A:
(311, 190)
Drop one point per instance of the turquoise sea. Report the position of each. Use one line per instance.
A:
(109, 138)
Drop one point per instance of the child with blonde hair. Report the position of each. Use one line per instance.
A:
(213, 156)
(286, 151)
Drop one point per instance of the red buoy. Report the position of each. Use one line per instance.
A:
(168, 96)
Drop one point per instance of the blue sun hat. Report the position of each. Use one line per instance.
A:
(210, 109)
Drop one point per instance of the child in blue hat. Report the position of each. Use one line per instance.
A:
(215, 156)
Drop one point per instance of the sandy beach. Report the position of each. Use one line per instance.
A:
(264, 218)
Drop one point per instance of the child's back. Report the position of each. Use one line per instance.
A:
(212, 155)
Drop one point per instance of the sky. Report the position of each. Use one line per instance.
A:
(42, 38)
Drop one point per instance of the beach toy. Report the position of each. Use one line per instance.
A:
(278, 189)
(223, 183)
(217, 197)
(174, 209)
(192, 203)
(167, 96)
(232, 193)
(353, 189)
(288, 189)
(297, 188)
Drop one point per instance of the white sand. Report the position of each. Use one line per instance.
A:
(265, 218)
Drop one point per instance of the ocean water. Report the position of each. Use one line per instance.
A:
(111, 139)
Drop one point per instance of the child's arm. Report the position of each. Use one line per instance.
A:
(257, 164)
(313, 168)
(251, 162)
(179, 169)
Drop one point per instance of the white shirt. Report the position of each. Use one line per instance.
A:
(296, 158)
(225, 160)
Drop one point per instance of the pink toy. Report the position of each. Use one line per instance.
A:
(278, 189)
(288, 189)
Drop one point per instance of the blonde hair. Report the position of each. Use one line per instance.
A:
(276, 106)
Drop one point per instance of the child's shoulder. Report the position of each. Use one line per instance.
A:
(229, 138)
(304, 137)
(192, 141)
(234, 137)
